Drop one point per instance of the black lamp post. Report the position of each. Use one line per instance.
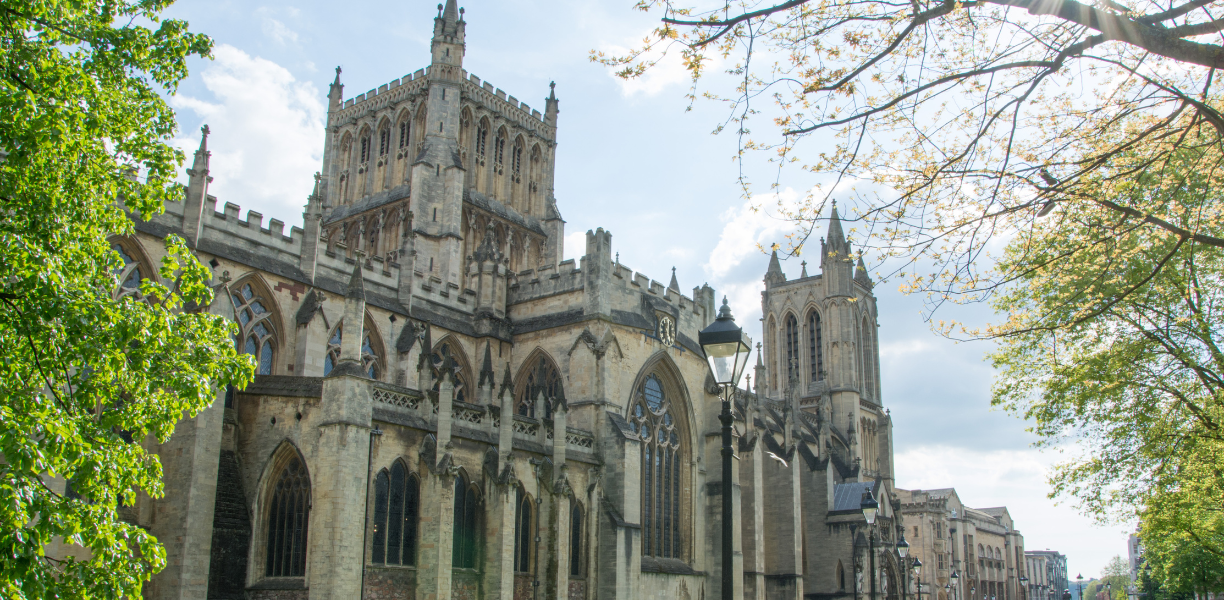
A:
(870, 508)
(726, 349)
(917, 567)
(1080, 580)
(902, 552)
(1023, 587)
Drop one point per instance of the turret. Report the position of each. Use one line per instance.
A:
(312, 220)
(448, 36)
(335, 101)
(197, 191)
(551, 105)
(835, 260)
(774, 274)
(596, 271)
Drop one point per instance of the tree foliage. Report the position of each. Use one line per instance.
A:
(85, 378)
(1059, 159)
(1115, 342)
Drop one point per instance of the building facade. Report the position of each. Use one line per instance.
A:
(1047, 574)
(981, 546)
(445, 408)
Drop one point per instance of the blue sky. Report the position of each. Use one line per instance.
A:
(631, 159)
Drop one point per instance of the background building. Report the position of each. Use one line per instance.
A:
(1047, 574)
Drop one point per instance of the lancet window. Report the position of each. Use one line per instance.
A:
(499, 148)
(288, 517)
(439, 357)
(577, 520)
(792, 347)
(466, 530)
(397, 506)
(524, 531)
(405, 130)
(384, 141)
(815, 346)
(541, 387)
(482, 136)
(365, 148)
(651, 417)
(369, 354)
(869, 387)
(257, 335)
(129, 275)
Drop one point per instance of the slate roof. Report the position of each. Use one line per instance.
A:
(849, 496)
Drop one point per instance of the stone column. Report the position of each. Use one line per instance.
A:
(437, 541)
(184, 517)
(619, 550)
(783, 530)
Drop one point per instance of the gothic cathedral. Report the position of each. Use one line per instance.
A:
(445, 408)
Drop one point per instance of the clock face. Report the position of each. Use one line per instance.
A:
(667, 330)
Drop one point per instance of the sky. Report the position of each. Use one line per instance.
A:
(632, 158)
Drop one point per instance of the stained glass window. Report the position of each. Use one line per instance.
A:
(288, 517)
(792, 347)
(369, 353)
(652, 419)
(396, 512)
(129, 275)
(257, 334)
(466, 528)
(815, 346)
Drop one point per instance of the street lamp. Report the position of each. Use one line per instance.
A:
(870, 507)
(917, 566)
(726, 349)
(1109, 590)
(1023, 587)
(955, 583)
(902, 552)
(1080, 580)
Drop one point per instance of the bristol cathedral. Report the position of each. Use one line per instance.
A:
(447, 409)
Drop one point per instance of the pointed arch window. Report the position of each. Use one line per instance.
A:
(369, 355)
(288, 517)
(129, 275)
(482, 136)
(466, 529)
(815, 346)
(365, 148)
(439, 357)
(384, 141)
(869, 387)
(499, 148)
(541, 387)
(841, 576)
(577, 520)
(516, 159)
(397, 507)
(792, 347)
(405, 130)
(257, 336)
(651, 418)
(524, 531)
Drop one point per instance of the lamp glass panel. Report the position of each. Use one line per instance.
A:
(722, 359)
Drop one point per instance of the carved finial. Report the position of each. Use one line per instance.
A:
(225, 277)
(439, 11)
(725, 311)
(205, 130)
(618, 258)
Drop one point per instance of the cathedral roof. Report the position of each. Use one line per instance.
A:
(849, 496)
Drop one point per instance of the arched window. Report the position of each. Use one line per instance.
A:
(499, 148)
(577, 519)
(773, 351)
(369, 354)
(288, 517)
(466, 529)
(516, 159)
(441, 352)
(841, 576)
(524, 531)
(384, 141)
(652, 419)
(869, 388)
(482, 137)
(257, 334)
(538, 389)
(397, 508)
(815, 346)
(405, 131)
(129, 275)
(792, 347)
(365, 148)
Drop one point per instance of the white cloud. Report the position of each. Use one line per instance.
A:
(668, 71)
(575, 244)
(745, 228)
(279, 32)
(267, 133)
